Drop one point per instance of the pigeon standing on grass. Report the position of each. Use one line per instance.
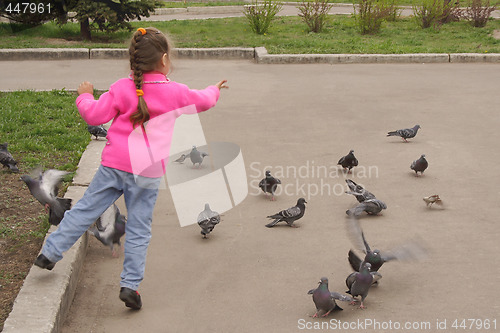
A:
(419, 165)
(197, 157)
(45, 190)
(324, 299)
(371, 206)
(358, 191)
(289, 215)
(110, 227)
(349, 161)
(406, 133)
(97, 131)
(269, 184)
(6, 158)
(359, 283)
(207, 220)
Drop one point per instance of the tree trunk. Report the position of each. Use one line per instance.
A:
(85, 29)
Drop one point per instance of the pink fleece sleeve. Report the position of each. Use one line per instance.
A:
(96, 112)
(203, 99)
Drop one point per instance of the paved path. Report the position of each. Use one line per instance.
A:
(302, 118)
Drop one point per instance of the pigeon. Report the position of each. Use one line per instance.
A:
(97, 131)
(197, 157)
(412, 250)
(406, 133)
(45, 190)
(110, 227)
(269, 184)
(207, 220)
(433, 199)
(6, 158)
(289, 215)
(359, 283)
(371, 206)
(324, 299)
(348, 161)
(181, 158)
(358, 191)
(419, 165)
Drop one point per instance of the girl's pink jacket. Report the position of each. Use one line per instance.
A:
(130, 149)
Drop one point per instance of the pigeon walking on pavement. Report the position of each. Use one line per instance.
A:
(406, 133)
(197, 157)
(269, 184)
(181, 158)
(359, 283)
(419, 165)
(324, 299)
(97, 131)
(371, 206)
(289, 215)
(6, 158)
(110, 227)
(45, 190)
(358, 191)
(349, 161)
(207, 220)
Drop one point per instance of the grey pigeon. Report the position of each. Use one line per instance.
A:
(411, 250)
(419, 165)
(324, 299)
(207, 220)
(371, 206)
(406, 133)
(110, 227)
(359, 283)
(289, 215)
(181, 158)
(45, 190)
(269, 184)
(358, 191)
(6, 158)
(97, 131)
(197, 156)
(349, 161)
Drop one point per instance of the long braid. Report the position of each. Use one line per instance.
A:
(147, 48)
(142, 114)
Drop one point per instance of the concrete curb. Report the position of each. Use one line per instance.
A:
(46, 296)
(260, 55)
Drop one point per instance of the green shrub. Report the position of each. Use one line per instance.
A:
(478, 12)
(370, 15)
(315, 14)
(431, 12)
(261, 14)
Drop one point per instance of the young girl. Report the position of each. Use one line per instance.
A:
(131, 103)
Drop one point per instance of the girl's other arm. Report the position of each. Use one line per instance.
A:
(94, 112)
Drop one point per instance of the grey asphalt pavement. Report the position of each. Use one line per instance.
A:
(298, 120)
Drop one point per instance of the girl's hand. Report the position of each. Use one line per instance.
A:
(221, 85)
(85, 87)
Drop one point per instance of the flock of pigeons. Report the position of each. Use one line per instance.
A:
(110, 227)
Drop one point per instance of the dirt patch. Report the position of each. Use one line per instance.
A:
(21, 237)
(496, 34)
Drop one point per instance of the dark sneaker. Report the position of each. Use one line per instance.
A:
(131, 298)
(43, 262)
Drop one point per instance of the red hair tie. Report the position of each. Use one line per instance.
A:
(142, 30)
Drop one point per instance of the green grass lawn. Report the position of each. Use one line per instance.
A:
(43, 129)
(287, 35)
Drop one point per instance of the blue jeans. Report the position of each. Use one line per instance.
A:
(108, 185)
